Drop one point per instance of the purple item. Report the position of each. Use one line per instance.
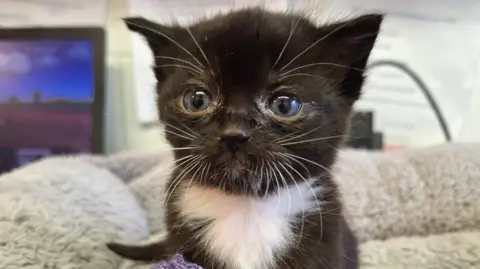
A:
(177, 262)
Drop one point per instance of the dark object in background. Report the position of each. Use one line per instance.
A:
(362, 135)
(377, 141)
(8, 159)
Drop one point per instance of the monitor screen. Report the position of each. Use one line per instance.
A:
(46, 97)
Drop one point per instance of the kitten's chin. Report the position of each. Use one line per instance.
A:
(232, 172)
(233, 177)
(237, 170)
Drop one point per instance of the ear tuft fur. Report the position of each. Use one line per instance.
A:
(354, 40)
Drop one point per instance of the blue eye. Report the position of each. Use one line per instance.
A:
(197, 99)
(284, 106)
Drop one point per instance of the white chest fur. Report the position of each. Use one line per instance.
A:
(247, 233)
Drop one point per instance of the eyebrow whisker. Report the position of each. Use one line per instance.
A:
(182, 61)
(286, 43)
(198, 45)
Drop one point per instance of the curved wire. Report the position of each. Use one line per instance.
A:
(423, 87)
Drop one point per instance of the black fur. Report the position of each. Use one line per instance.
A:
(239, 132)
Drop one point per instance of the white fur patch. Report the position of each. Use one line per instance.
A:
(247, 233)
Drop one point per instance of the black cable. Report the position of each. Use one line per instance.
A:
(423, 87)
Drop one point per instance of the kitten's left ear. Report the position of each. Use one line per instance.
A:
(353, 41)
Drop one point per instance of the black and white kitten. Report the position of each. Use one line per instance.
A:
(256, 104)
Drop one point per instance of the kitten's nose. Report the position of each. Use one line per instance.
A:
(234, 140)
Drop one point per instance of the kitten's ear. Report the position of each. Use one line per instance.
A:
(159, 37)
(353, 41)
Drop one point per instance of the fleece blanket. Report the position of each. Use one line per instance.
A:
(410, 209)
(178, 262)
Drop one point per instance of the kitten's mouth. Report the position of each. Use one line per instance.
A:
(237, 158)
(236, 162)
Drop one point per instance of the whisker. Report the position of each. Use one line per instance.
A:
(301, 200)
(194, 174)
(306, 75)
(311, 140)
(294, 160)
(184, 148)
(286, 43)
(198, 45)
(285, 185)
(192, 134)
(182, 61)
(317, 64)
(188, 129)
(192, 163)
(285, 136)
(181, 159)
(253, 175)
(169, 149)
(178, 135)
(267, 176)
(314, 44)
(168, 38)
(262, 167)
(187, 170)
(335, 165)
(208, 168)
(310, 161)
(204, 172)
(278, 185)
(301, 135)
(186, 160)
(319, 209)
(178, 65)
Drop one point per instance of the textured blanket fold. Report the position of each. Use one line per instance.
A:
(178, 262)
(412, 209)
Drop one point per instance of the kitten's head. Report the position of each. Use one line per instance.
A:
(257, 99)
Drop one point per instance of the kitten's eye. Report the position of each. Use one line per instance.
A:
(197, 99)
(284, 106)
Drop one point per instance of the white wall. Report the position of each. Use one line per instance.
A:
(438, 39)
(125, 132)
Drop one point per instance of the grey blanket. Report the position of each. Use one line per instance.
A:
(410, 209)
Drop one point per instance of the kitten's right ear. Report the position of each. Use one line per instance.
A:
(158, 36)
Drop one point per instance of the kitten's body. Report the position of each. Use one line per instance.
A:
(255, 140)
(285, 230)
(245, 232)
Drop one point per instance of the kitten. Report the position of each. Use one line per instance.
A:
(256, 104)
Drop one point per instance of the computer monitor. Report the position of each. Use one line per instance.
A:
(51, 93)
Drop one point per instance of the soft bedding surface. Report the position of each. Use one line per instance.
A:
(410, 209)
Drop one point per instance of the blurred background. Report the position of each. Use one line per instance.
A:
(73, 80)
(424, 75)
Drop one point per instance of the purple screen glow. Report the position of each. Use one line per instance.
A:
(46, 94)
